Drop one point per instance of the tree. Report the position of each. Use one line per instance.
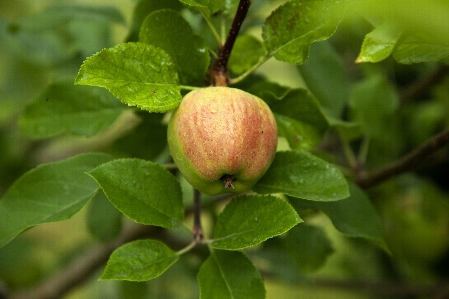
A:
(355, 199)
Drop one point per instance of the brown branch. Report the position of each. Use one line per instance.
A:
(407, 163)
(416, 88)
(219, 73)
(197, 228)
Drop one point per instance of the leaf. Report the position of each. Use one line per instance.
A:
(300, 119)
(354, 216)
(62, 107)
(144, 191)
(167, 29)
(290, 30)
(325, 75)
(247, 51)
(139, 261)
(298, 114)
(58, 14)
(379, 43)
(249, 220)
(372, 102)
(417, 49)
(208, 6)
(309, 246)
(229, 275)
(138, 74)
(302, 175)
(213, 6)
(48, 193)
(270, 92)
(103, 219)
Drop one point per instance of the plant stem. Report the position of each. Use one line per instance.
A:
(409, 162)
(250, 70)
(211, 26)
(219, 72)
(197, 229)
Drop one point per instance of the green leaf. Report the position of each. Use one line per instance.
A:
(303, 175)
(56, 15)
(155, 131)
(300, 119)
(417, 49)
(213, 6)
(270, 92)
(63, 107)
(230, 275)
(372, 102)
(309, 246)
(48, 193)
(138, 74)
(354, 216)
(167, 29)
(247, 51)
(249, 220)
(142, 190)
(103, 219)
(325, 75)
(291, 29)
(379, 43)
(139, 261)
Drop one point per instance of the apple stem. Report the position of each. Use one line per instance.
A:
(227, 181)
(219, 73)
(197, 229)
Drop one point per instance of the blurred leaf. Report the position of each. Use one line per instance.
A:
(63, 107)
(58, 14)
(249, 220)
(151, 131)
(277, 260)
(138, 74)
(167, 29)
(309, 246)
(206, 5)
(372, 102)
(270, 92)
(325, 75)
(139, 261)
(302, 175)
(48, 193)
(354, 216)
(213, 6)
(300, 119)
(103, 219)
(425, 18)
(45, 48)
(229, 275)
(348, 130)
(291, 29)
(379, 43)
(247, 51)
(142, 190)
(134, 289)
(415, 49)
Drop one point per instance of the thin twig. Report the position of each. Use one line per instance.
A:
(81, 268)
(407, 163)
(197, 229)
(416, 88)
(219, 72)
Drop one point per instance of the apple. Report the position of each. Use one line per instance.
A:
(222, 139)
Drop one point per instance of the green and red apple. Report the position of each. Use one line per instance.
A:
(222, 139)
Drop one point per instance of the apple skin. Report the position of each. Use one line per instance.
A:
(221, 131)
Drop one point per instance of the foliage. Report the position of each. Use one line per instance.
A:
(83, 122)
